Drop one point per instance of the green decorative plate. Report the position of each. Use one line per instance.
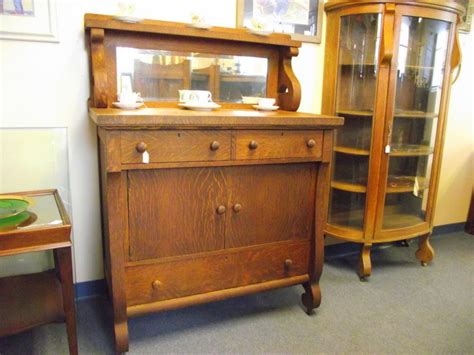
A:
(14, 221)
(13, 205)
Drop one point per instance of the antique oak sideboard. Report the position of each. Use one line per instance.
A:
(202, 206)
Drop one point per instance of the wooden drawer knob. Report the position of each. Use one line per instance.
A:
(215, 145)
(311, 143)
(156, 284)
(253, 145)
(221, 209)
(141, 147)
(288, 264)
(237, 207)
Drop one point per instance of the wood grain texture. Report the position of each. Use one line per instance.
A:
(204, 274)
(172, 146)
(175, 118)
(277, 203)
(173, 212)
(182, 29)
(289, 88)
(98, 63)
(277, 144)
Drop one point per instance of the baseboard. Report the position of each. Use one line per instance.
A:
(98, 287)
(90, 289)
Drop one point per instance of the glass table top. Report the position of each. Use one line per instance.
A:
(42, 212)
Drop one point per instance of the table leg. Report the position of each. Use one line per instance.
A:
(64, 265)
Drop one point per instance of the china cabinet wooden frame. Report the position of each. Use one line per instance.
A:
(387, 155)
(226, 203)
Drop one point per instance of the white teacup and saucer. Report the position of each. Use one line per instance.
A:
(200, 100)
(266, 104)
(128, 101)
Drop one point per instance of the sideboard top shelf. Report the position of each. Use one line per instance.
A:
(186, 30)
(222, 119)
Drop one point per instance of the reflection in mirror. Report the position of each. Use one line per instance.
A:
(159, 75)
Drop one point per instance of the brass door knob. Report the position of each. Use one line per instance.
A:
(237, 207)
(156, 284)
(221, 209)
(141, 147)
(288, 264)
(311, 143)
(253, 145)
(215, 145)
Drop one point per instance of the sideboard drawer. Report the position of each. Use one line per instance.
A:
(278, 144)
(167, 280)
(173, 146)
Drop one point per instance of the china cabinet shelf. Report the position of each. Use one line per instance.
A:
(404, 151)
(352, 151)
(361, 113)
(385, 72)
(348, 186)
(415, 114)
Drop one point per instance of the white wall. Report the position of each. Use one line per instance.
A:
(46, 85)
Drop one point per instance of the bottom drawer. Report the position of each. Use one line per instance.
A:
(194, 275)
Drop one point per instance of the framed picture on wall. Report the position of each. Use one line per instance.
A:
(28, 20)
(302, 19)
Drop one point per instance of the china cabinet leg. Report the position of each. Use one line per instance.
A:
(365, 265)
(425, 252)
(312, 297)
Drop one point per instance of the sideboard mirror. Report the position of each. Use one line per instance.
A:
(159, 74)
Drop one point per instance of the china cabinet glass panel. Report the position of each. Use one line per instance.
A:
(420, 72)
(357, 78)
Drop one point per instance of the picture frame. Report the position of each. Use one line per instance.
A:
(302, 19)
(466, 21)
(28, 20)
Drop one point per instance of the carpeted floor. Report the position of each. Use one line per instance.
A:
(403, 309)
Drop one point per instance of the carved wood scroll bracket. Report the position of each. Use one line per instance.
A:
(99, 73)
(388, 33)
(456, 57)
(289, 88)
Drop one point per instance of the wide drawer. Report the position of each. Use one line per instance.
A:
(173, 146)
(195, 275)
(278, 144)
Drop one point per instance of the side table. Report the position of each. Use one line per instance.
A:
(30, 300)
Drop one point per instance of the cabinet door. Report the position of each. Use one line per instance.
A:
(175, 211)
(270, 203)
(415, 118)
(357, 80)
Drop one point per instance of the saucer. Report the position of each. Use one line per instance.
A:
(208, 106)
(128, 19)
(124, 106)
(259, 32)
(265, 108)
(202, 26)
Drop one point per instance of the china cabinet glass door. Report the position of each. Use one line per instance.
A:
(355, 100)
(422, 51)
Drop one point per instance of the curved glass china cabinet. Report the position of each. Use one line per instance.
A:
(391, 84)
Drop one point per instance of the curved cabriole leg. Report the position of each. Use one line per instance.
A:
(425, 252)
(365, 265)
(312, 297)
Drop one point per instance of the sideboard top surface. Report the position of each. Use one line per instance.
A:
(221, 119)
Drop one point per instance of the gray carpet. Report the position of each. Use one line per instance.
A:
(403, 309)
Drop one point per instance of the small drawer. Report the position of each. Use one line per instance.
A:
(228, 269)
(175, 146)
(278, 144)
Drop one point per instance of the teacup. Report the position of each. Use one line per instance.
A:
(129, 98)
(266, 102)
(195, 96)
